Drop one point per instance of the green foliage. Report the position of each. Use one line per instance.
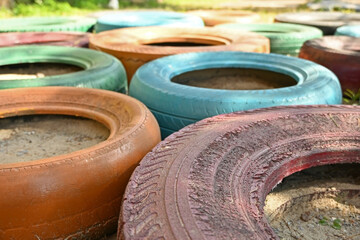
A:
(41, 8)
(336, 224)
(349, 97)
(324, 221)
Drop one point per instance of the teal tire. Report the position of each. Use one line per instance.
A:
(47, 24)
(100, 70)
(285, 39)
(145, 19)
(176, 105)
(350, 30)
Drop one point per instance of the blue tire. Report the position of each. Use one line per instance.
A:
(146, 18)
(350, 30)
(176, 105)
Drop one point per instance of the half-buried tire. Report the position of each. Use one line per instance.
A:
(350, 30)
(186, 88)
(340, 54)
(93, 69)
(69, 39)
(210, 179)
(75, 195)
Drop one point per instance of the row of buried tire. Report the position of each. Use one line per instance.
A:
(59, 197)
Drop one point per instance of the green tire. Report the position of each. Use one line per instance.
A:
(47, 24)
(285, 39)
(100, 70)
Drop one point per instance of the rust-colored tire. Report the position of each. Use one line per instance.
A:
(340, 54)
(135, 46)
(76, 195)
(215, 17)
(70, 39)
(210, 179)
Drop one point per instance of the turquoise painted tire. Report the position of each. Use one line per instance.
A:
(47, 24)
(284, 38)
(350, 30)
(146, 18)
(176, 105)
(101, 70)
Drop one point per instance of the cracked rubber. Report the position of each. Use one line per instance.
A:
(210, 179)
(340, 54)
(129, 45)
(328, 22)
(176, 105)
(69, 39)
(47, 24)
(284, 38)
(215, 17)
(100, 70)
(75, 195)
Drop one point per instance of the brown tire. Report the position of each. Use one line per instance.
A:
(76, 195)
(340, 54)
(210, 179)
(70, 39)
(215, 17)
(135, 46)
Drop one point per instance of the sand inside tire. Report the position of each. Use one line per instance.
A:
(27, 138)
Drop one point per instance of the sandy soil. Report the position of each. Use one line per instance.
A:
(318, 203)
(35, 70)
(36, 137)
(234, 79)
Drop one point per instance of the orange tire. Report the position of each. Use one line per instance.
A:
(136, 46)
(215, 17)
(75, 195)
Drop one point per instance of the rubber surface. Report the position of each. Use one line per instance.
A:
(328, 22)
(100, 70)
(215, 17)
(70, 39)
(75, 195)
(210, 179)
(146, 18)
(130, 45)
(284, 38)
(180, 105)
(351, 30)
(340, 54)
(46, 24)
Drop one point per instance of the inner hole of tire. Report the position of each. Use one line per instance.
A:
(35, 70)
(234, 79)
(317, 203)
(32, 137)
(183, 42)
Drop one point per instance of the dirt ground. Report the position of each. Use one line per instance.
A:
(36, 137)
(318, 203)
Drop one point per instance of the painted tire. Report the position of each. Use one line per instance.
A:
(284, 38)
(352, 31)
(176, 105)
(215, 17)
(328, 22)
(75, 195)
(73, 39)
(340, 54)
(131, 45)
(146, 18)
(100, 70)
(47, 24)
(210, 179)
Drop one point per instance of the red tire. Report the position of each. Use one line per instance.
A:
(340, 54)
(75, 195)
(210, 179)
(137, 46)
(70, 39)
